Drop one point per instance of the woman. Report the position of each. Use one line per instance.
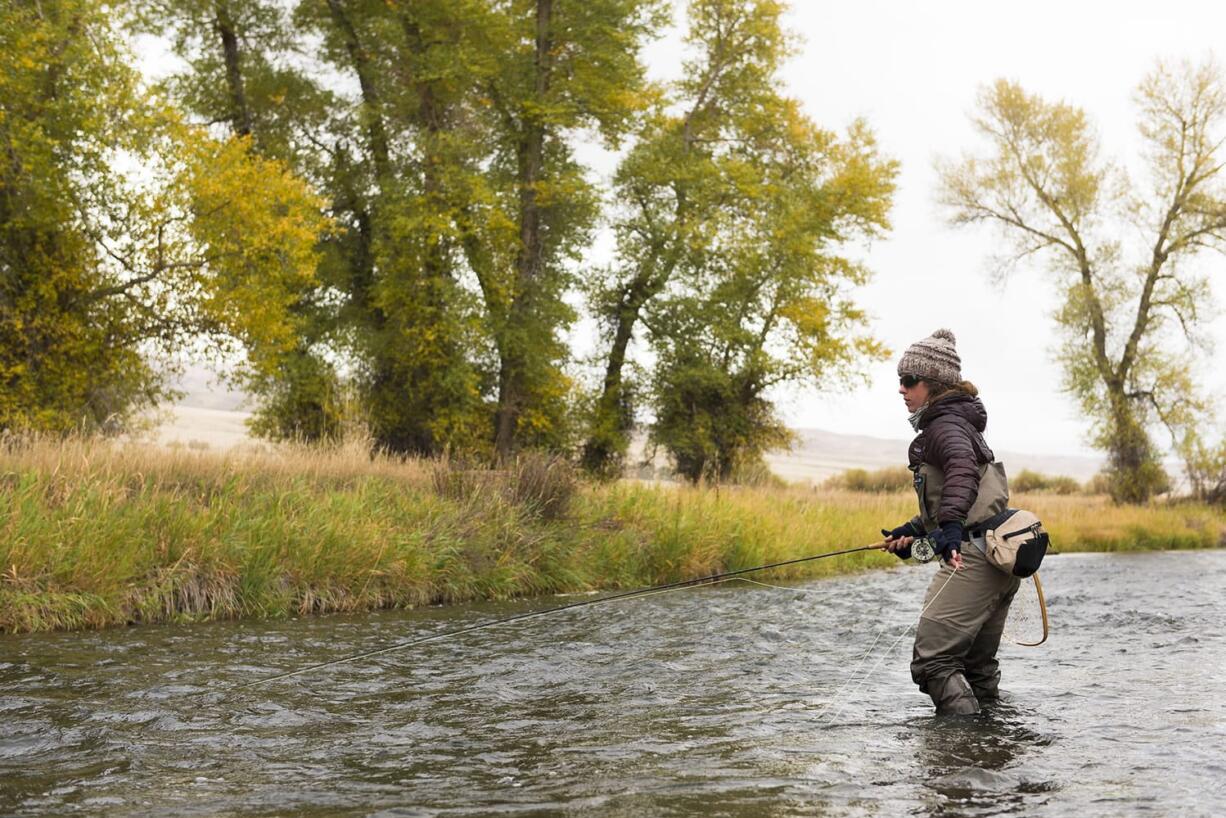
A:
(959, 487)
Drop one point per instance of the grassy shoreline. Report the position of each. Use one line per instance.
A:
(96, 535)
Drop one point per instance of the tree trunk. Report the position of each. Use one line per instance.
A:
(529, 261)
(1132, 465)
(241, 113)
(604, 446)
(601, 447)
(371, 104)
(433, 116)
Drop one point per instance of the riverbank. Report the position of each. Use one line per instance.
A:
(96, 535)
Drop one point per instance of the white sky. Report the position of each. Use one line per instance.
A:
(913, 70)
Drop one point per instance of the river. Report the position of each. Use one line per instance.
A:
(709, 701)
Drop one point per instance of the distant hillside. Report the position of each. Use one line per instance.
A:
(819, 454)
(210, 416)
(200, 428)
(202, 390)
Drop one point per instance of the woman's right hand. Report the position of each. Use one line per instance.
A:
(898, 540)
(896, 544)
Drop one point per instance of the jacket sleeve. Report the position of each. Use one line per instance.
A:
(950, 449)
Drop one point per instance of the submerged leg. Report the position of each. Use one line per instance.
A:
(956, 609)
(954, 697)
(936, 666)
(982, 668)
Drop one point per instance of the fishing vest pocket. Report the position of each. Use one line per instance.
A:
(1015, 541)
(992, 498)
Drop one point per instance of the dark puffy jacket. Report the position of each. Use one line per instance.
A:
(951, 439)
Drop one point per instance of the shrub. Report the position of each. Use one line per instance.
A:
(1032, 481)
(1098, 484)
(455, 480)
(542, 485)
(756, 474)
(894, 478)
(1062, 484)
(1206, 470)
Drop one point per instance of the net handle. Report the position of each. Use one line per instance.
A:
(1038, 587)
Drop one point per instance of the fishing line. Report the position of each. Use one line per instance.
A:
(867, 652)
(863, 657)
(834, 698)
(859, 663)
(713, 579)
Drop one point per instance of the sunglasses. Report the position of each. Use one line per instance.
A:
(909, 381)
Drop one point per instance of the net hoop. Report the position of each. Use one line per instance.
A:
(1038, 587)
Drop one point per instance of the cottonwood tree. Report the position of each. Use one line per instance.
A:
(121, 236)
(453, 177)
(239, 69)
(669, 187)
(567, 67)
(771, 303)
(395, 157)
(470, 112)
(734, 207)
(1123, 251)
(247, 79)
(419, 66)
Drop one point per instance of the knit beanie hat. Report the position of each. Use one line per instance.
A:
(934, 358)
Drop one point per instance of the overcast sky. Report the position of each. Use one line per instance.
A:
(913, 71)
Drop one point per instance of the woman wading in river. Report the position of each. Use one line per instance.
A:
(958, 486)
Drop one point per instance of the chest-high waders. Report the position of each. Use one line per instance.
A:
(954, 659)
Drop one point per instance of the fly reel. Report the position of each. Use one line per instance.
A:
(922, 549)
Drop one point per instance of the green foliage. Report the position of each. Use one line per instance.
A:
(703, 418)
(386, 303)
(878, 481)
(1098, 484)
(302, 402)
(1134, 469)
(120, 234)
(237, 74)
(59, 94)
(1206, 468)
(729, 250)
(732, 201)
(1132, 311)
(432, 302)
(450, 171)
(566, 69)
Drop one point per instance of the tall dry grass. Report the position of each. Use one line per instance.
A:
(96, 534)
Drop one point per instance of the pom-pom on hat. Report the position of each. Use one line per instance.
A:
(934, 359)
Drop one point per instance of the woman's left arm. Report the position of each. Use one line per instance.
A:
(952, 451)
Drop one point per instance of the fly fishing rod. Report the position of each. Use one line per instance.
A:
(655, 589)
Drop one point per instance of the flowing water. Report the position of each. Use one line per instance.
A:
(715, 701)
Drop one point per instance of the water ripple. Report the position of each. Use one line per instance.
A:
(732, 700)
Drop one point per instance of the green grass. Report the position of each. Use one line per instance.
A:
(96, 535)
